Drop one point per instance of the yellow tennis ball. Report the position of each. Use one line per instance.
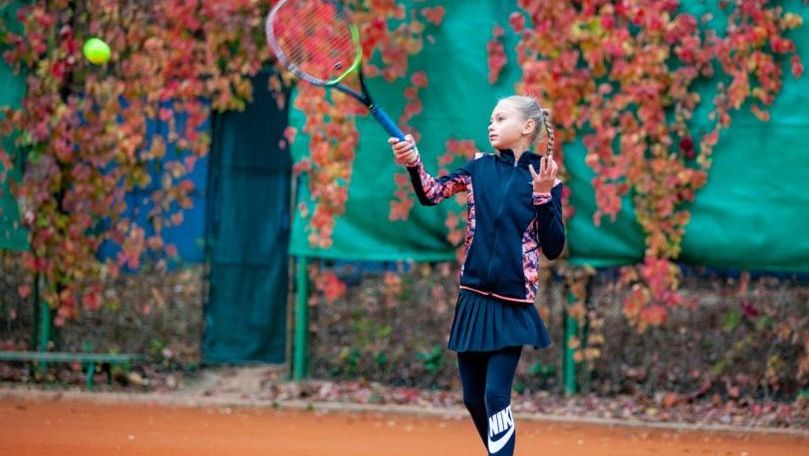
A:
(96, 51)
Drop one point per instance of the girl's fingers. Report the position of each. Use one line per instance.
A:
(405, 145)
(402, 147)
(546, 167)
(399, 144)
(552, 167)
(404, 153)
(533, 171)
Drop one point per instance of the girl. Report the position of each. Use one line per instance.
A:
(514, 212)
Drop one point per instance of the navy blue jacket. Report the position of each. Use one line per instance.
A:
(508, 223)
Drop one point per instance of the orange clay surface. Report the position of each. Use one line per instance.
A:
(66, 428)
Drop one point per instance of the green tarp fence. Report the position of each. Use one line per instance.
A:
(750, 215)
(12, 89)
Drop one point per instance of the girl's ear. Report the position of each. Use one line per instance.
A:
(529, 127)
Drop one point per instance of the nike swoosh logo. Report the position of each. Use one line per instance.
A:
(497, 445)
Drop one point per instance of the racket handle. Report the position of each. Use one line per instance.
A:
(386, 122)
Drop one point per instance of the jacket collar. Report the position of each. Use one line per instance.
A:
(507, 155)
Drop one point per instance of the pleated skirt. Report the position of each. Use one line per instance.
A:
(482, 323)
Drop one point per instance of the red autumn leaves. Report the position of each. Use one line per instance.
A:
(85, 127)
(623, 75)
(620, 74)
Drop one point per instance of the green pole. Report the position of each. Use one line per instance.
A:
(35, 314)
(569, 363)
(44, 326)
(44, 316)
(300, 365)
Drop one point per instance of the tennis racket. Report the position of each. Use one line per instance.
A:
(318, 43)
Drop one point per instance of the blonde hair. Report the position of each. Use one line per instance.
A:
(530, 109)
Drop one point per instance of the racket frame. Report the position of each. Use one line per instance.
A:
(363, 96)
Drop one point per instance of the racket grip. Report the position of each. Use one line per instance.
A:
(386, 122)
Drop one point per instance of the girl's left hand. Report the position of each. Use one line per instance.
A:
(544, 179)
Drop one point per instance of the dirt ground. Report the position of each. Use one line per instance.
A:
(71, 428)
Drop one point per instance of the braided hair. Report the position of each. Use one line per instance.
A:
(530, 109)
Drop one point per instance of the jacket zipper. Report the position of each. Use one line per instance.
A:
(497, 218)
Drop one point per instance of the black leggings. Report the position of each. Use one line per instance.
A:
(486, 378)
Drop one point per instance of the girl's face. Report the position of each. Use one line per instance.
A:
(508, 129)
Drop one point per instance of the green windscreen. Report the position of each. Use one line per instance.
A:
(750, 214)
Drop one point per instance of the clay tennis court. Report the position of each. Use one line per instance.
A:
(67, 428)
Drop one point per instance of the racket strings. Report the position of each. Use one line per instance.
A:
(315, 38)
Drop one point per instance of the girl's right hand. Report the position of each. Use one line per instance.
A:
(405, 152)
(544, 179)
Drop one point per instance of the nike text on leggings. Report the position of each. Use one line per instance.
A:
(486, 378)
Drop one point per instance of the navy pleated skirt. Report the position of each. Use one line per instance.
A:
(482, 323)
